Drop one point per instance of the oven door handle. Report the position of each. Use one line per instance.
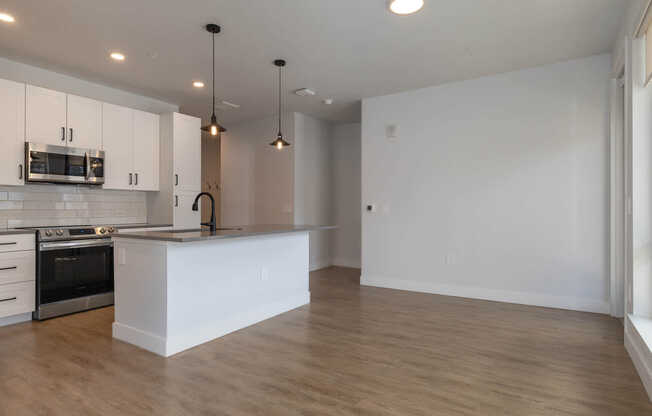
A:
(73, 244)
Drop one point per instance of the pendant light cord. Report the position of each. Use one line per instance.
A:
(213, 74)
(279, 99)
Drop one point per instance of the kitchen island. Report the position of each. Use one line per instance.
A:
(180, 288)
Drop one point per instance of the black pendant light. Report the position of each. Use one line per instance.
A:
(213, 128)
(279, 143)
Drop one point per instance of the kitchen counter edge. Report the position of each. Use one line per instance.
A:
(184, 236)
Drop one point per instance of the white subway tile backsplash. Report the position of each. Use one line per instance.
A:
(52, 205)
(43, 205)
(11, 204)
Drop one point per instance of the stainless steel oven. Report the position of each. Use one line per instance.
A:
(74, 270)
(62, 164)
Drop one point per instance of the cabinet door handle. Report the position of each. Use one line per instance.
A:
(63, 134)
(131, 179)
(136, 175)
(8, 299)
(8, 268)
(71, 134)
(8, 244)
(20, 171)
(176, 200)
(176, 180)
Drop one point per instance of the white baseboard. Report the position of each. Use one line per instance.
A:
(317, 264)
(16, 319)
(640, 354)
(344, 262)
(177, 343)
(143, 339)
(534, 299)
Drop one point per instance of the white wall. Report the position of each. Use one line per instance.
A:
(257, 179)
(19, 72)
(312, 183)
(345, 241)
(641, 184)
(496, 188)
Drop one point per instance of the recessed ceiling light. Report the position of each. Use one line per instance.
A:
(198, 84)
(7, 18)
(405, 6)
(117, 56)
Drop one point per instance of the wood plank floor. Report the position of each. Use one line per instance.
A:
(353, 351)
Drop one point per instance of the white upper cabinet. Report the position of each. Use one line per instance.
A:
(46, 116)
(146, 151)
(130, 140)
(187, 153)
(84, 122)
(12, 133)
(60, 119)
(117, 143)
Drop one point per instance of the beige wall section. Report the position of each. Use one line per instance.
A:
(210, 175)
(313, 190)
(345, 161)
(257, 179)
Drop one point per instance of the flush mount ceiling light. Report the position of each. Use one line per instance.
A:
(404, 7)
(198, 84)
(279, 143)
(6, 17)
(117, 56)
(213, 128)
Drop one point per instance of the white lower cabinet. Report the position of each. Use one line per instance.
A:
(18, 266)
(17, 275)
(17, 298)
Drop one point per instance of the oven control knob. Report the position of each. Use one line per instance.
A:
(102, 230)
(59, 233)
(111, 230)
(48, 233)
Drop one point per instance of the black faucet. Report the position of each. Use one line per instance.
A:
(195, 207)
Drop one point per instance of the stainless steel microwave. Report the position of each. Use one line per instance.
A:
(63, 164)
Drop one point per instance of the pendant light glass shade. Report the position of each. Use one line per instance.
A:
(214, 128)
(279, 143)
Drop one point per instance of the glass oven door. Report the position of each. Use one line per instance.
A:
(74, 269)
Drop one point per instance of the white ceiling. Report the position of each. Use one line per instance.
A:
(344, 49)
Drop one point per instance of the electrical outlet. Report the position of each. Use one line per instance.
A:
(391, 131)
(264, 274)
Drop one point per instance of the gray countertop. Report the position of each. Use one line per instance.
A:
(15, 231)
(9, 231)
(128, 226)
(190, 235)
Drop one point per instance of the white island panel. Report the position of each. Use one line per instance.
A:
(173, 296)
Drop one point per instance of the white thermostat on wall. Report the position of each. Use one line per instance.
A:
(391, 131)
